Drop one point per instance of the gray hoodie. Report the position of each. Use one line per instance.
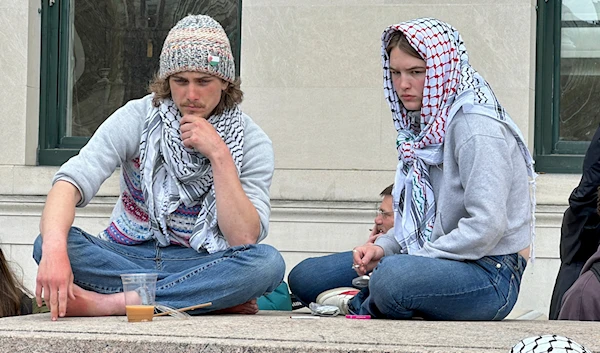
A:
(117, 143)
(481, 191)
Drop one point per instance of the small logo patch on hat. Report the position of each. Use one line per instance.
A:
(213, 60)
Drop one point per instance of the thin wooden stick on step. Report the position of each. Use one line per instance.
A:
(198, 306)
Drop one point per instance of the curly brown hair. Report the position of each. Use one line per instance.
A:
(231, 96)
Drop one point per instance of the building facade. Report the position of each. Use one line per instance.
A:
(312, 78)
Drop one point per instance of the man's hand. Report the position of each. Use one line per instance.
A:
(238, 219)
(375, 233)
(366, 258)
(54, 282)
(198, 133)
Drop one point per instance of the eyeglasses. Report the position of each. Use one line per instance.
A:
(384, 214)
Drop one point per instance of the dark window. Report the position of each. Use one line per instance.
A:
(567, 83)
(97, 55)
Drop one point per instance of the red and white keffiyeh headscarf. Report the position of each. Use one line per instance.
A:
(451, 84)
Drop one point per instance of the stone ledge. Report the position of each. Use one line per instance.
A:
(288, 184)
(277, 332)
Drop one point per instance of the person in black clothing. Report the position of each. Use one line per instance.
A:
(580, 231)
(582, 301)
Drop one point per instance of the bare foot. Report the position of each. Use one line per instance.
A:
(88, 303)
(250, 308)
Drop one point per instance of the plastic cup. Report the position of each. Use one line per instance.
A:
(139, 290)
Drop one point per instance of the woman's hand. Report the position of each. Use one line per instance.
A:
(366, 257)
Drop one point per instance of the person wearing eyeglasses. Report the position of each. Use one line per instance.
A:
(463, 193)
(301, 279)
(384, 218)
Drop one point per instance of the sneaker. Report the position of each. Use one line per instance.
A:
(296, 304)
(338, 297)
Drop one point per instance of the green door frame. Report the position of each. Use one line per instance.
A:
(54, 150)
(551, 154)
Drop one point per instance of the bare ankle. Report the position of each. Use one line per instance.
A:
(249, 308)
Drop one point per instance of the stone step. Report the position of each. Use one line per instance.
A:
(277, 332)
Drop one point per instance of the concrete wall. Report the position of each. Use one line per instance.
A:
(312, 78)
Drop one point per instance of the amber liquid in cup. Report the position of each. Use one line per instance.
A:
(139, 313)
(139, 290)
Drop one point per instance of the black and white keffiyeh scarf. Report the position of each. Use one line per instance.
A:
(173, 174)
(451, 84)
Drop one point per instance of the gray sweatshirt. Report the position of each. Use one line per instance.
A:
(481, 191)
(117, 143)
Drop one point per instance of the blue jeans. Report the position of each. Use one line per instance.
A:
(315, 275)
(405, 286)
(185, 276)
